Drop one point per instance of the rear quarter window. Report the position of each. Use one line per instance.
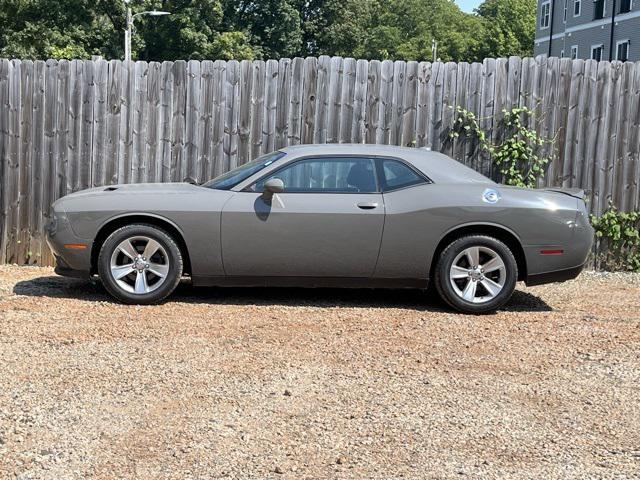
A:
(397, 175)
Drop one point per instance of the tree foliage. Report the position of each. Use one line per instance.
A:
(245, 29)
(509, 27)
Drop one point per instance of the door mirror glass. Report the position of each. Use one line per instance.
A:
(271, 186)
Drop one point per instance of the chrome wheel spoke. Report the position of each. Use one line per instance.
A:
(141, 285)
(121, 271)
(469, 292)
(459, 272)
(151, 248)
(492, 265)
(159, 269)
(127, 248)
(473, 256)
(492, 287)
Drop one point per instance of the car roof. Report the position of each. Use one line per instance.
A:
(438, 167)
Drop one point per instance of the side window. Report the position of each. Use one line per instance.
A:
(325, 175)
(398, 175)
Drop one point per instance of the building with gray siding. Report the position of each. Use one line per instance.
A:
(600, 29)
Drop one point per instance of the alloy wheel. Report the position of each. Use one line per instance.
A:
(477, 274)
(139, 265)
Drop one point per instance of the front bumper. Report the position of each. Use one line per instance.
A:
(70, 262)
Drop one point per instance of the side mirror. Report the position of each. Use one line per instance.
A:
(271, 186)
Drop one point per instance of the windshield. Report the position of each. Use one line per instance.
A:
(233, 177)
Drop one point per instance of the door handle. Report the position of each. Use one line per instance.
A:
(367, 205)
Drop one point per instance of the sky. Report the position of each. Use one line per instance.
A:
(468, 5)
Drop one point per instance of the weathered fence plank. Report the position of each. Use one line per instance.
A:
(49, 167)
(296, 99)
(310, 78)
(5, 66)
(98, 166)
(166, 95)
(386, 103)
(232, 94)
(487, 111)
(282, 102)
(345, 119)
(12, 164)
(219, 110)
(26, 161)
(69, 125)
(34, 245)
(373, 101)
(114, 94)
(474, 100)
(334, 100)
(633, 185)
(153, 145)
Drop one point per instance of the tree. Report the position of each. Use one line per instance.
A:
(404, 29)
(194, 30)
(337, 27)
(274, 26)
(82, 28)
(510, 27)
(246, 29)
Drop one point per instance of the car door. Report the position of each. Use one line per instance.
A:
(326, 223)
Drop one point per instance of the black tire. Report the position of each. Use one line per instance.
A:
(170, 250)
(448, 293)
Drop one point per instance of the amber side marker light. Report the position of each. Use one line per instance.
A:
(552, 252)
(75, 246)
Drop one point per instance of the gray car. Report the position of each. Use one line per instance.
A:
(326, 215)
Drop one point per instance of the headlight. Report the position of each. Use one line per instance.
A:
(52, 226)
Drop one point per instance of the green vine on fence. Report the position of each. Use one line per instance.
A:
(619, 233)
(517, 155)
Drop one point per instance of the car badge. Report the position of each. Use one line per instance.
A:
(491, 196)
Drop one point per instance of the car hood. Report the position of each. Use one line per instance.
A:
(141, 188)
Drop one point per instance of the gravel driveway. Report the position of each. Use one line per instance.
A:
(262, 383)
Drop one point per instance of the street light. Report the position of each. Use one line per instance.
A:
(129, 31)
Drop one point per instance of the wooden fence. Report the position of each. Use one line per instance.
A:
(69, 125)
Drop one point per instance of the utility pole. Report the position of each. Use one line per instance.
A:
(128, 33)
(434, 49)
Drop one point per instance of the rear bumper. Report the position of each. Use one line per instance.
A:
(555, 276)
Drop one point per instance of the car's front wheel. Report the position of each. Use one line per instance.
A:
(140, 264)
(476, 274)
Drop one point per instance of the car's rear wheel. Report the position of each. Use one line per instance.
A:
(140, 264)
(476, 274)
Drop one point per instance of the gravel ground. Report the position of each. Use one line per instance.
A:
(262, 383)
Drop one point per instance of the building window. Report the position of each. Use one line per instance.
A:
(545, 14)
(564, 12)
(596, 52)
(599, 7)
(625, 6)
(577, 7)
(574, 52)
(622, 50)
